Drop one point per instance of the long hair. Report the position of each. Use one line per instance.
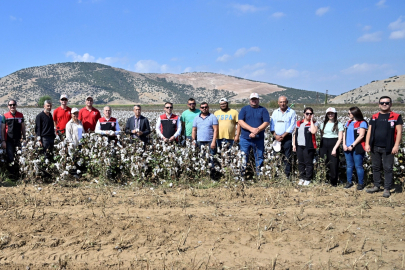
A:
(326, 120)
(356, 112)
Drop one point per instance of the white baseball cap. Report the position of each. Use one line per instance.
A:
(254, 95)
(331, 109)
(223, 100)
(74, 110)
(63, 96)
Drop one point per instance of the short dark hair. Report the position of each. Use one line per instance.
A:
(139, 106)
(171, 104)
(191, 99)
(12, 100)
(357, 114)
(309, 108)
(384, 97)
(203, 103)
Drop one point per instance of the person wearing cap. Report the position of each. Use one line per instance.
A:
(168, 125)
(253, 119)
(89, 115)
(331, 138)
(61, 115)
(108, 125)
(187, 118)
(45, 129)
(282, 126)
(228, 128)
(138, 126)
(74, 128)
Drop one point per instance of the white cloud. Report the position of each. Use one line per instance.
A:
(218, 50)
(246, 8)
(258, 72)
(381, 3)
(278, 15)
(174, 59)
(371, 37)
(187, 69)
(242, 51)
(366, 28)
(247, 71)
(288, 73)
(89, 58)
(150, 66)
(398, 28)
(224, 58)
(13, 18)
(321, 11)
(363, 68)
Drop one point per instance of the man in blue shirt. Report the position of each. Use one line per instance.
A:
(253, 119)
(282, 126)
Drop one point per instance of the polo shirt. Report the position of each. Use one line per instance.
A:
(187, 117)
(62, 117)
(227, 123)
(89, 118)
(205, 131)
(254, 117)
(283, 122)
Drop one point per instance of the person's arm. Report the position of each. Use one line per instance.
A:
(243, 124)
(290, 128)
(293, 143)
(367, 145)
(145, 132)
(23, 131)
(117, 128)
(128, 126)
(98, 130)
(3, 135)
(362, 134)
(38, 128)
(395, 149)
(55, 119)
(340, 137)
(68, 132)
(157, 128)
(214, 138)
(313, 128)
(178, 131)
(237, 135)
(194, 134)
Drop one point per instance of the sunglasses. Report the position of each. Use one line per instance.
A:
(169, 107)
(12, 105)
(89, 100)
(206, 107)
(385, 103)
(64, 99)
(308, 113)
(191, 104)
(349, 113)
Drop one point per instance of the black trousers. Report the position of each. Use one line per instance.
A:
(286, 149)
(331, 162)
(10, 148)
(47, 145)
(381, 159)
(305, 162)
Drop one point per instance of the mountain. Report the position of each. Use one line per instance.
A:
(118, 86)
(393, 87)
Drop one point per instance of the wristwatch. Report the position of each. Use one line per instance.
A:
(352, 146)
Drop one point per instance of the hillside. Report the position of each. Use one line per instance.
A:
(118, 86)
(393, 87)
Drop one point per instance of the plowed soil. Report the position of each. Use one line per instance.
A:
(111, 227)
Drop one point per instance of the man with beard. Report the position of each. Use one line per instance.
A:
(227, 124)
(187, 118)
(45, 129)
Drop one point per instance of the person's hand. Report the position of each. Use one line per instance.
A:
(40, 143)
(294, 148)
(236, 139)
(134, 131)
(213, 145)
(252, 135)
(172, 138)
(279, 138)
(139, 133)
(367, 148)
(350, 148)
(194, 142)
(395, 149)
(344, 148)
(3, 145)
(112, 133)
(333, 152)
(166, 139)
(254, 130)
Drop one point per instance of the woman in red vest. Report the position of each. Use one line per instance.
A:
(353, 145)
(304, 143)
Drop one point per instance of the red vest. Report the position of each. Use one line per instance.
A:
(108, 125)
(13, 125)
(359, 148)
(168, 126)
(390, 126)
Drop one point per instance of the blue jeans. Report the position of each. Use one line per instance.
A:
(354, 160)
(257, 145)
(188, 137)
(224, 141)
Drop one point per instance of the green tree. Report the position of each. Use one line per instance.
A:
(42, 100)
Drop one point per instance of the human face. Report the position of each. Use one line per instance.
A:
(12, 106)
(331, 115)
(89, 102)
(64, 101)
(191, 105)
(205, 109)
(137, 111)
(223, 105)
(75, 116)
(48, 107)
(107, 112)
(168, 108)
(254, 102)
(282, 103)
(308, 115)
(350, 115)
(385, 104)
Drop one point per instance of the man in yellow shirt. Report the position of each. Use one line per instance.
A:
(229, 130)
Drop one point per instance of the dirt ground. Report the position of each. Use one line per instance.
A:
(116, 227)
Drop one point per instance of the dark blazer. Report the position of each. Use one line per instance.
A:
(143, 126)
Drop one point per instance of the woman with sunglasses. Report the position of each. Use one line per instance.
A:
(331, 138)
(354, 146)
(304, 143)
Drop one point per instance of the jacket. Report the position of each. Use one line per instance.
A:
(310, 139)
(143, 126)
(390, 126)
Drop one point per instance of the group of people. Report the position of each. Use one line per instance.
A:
(381, 136)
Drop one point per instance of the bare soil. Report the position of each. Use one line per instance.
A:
(111, 227)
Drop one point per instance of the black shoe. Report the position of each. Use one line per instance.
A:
(348, 185)
(360, 187)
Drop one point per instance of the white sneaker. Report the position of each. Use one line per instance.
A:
(306, 183)
(300, 182)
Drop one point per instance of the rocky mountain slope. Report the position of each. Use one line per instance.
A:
(118, 86)
(393, 87)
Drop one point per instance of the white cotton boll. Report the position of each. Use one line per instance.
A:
(78, 171)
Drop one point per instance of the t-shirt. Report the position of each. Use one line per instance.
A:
(205, 131)
(62, 117)
(350, 132)
(188, 117)
(227, 123)
(301, 133)
(254, 117)
(380, 129)
(89, 118)
(327, 133)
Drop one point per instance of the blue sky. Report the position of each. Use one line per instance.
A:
(312, 45)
